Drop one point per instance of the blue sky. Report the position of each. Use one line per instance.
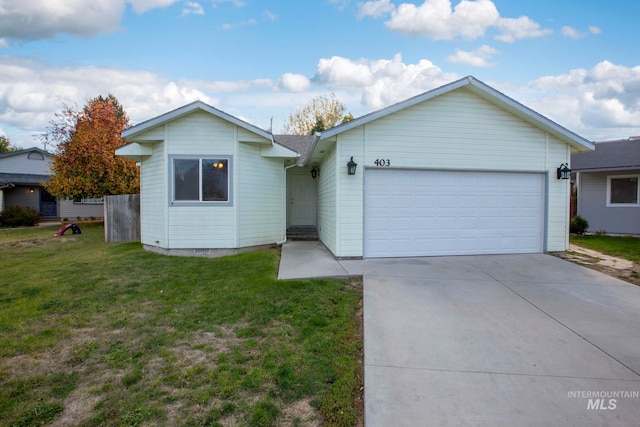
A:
(575, 62)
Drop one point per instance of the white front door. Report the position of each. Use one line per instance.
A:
(302, 200)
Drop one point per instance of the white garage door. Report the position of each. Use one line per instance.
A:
(429, 213)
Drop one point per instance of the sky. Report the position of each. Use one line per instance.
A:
(576, 62)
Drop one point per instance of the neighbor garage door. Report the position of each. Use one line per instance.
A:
(430, 213)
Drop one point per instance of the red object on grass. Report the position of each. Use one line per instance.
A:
(64, 228)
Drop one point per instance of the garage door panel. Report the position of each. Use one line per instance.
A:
(424, 213)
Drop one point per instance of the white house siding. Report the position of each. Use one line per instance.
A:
(260, 197)
(558, 197)
(205, 226)
(456, 131)
(326, 200)
(20, 163)
(154, 175)
(351, 193)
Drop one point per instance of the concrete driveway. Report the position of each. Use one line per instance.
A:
(505, 340)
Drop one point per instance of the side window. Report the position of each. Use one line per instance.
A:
(201, 179)
(622, 190)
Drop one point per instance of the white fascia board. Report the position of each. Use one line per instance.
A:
(277, 150)
(186, 109)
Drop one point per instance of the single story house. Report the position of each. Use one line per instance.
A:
(22, 174)
(462, 169)
(607, 189)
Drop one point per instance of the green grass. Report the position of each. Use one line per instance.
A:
(623, 247)
(108, 334)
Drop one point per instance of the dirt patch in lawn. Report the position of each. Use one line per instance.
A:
(613, 266)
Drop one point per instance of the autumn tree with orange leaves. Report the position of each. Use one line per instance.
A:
(85, 165)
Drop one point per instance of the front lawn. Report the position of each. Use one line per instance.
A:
(622, 247)
(108, 334)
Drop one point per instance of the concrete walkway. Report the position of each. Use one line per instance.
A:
(510, 340)
(311, 259)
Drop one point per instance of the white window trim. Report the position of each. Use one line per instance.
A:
(200, 157)
(622, 205)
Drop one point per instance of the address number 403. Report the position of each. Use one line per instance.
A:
(382, 162)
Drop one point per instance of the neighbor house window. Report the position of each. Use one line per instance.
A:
(622, 190)
(202, 179)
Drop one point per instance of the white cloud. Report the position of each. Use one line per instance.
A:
(342, 4)
(3, 44)
(31, 92)
(571, 32)
(600, 103)
(45, 19)
(270, 15)
(520, 28)
(381, 82)
(375, 9)
(236, 3)
(142, 6)
(192, 8)
(594, 30)
(436, 19)
(294, 82)
(231, 26)
(477, 58)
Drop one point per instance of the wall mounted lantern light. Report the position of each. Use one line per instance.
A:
(563, 172)
(351, 167)
(315, 172)
(32, 190)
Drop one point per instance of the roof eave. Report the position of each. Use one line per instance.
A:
(492, 95)
(187, 109)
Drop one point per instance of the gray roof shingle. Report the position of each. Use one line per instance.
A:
(23, 179)
(609, 155)
(298, 143)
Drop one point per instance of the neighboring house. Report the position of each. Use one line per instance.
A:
(607, 187)
(22, 174)
(462, 169)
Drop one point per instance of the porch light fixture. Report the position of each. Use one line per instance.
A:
(315, 172)
(563, 172)
(351, 167)
(32, 190)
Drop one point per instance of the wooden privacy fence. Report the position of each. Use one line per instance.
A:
(122, 218)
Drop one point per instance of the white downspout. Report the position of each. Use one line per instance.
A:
(284, 204)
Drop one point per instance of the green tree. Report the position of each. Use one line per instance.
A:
(86, 165)
(326, 110)
(6, 147)
(318, 127)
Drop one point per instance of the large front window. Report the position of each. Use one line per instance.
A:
(623, 190)
(201, 179)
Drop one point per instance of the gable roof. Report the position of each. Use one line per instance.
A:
(187, 109)
(609, 155)
(27, 150)
(479, 88)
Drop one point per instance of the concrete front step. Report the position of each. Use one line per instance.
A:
(302, 233)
